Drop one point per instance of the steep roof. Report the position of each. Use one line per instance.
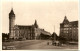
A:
(11, 12)
(65, 20)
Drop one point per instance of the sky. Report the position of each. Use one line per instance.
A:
(47, 13)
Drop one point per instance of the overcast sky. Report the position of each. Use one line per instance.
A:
(47, 13)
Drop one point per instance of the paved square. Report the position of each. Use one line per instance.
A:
(36, 44)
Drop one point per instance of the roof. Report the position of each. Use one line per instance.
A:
(11, 12)
(74, 22)
(44, 32)
(24, 26)
(65, 20)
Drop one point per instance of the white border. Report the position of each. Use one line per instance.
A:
(35, 1)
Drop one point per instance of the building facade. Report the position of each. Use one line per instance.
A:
(24, 31)
(69, 30)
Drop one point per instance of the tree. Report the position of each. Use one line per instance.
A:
(5, 37)
(54, 36)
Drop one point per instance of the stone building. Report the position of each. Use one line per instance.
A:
(69, 30)
(24, 31)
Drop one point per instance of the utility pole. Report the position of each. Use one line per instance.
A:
(54, 33)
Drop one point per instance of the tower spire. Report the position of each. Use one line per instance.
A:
(35, 24)
(65, 17)
(65, 20)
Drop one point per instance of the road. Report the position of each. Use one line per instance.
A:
(36, 44)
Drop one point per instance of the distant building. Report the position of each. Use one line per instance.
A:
(5, 37)
(69, 30)
(24, 31)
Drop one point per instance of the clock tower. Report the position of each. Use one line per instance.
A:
(11, 24)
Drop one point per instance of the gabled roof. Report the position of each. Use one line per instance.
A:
(65, 20)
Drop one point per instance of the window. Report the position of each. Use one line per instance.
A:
(61, 28)
(64, 31)
(65, 25)
(67, 32)
(70, 28)
(74, 31)
(74, 28)
(65, 28)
